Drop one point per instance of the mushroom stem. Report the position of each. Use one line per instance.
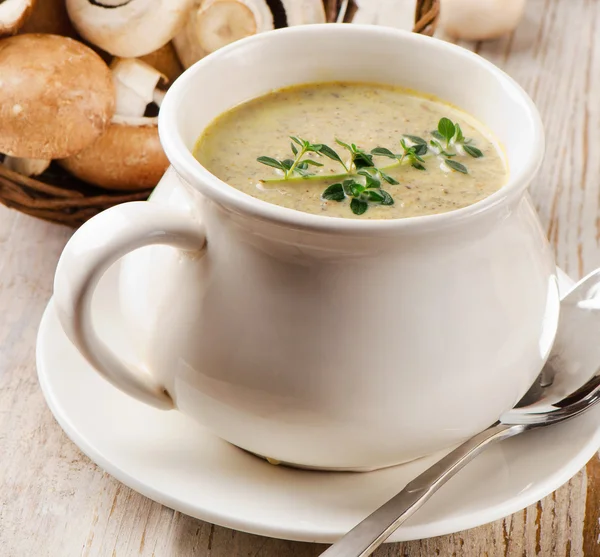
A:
(398, 14)
(27, 167)
(158, 96)
(212, 24)
(135, 85)
(13, 14)
(300, 12)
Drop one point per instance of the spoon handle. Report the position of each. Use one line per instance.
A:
(368, 535)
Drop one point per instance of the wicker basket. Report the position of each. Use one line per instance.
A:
(59, 197)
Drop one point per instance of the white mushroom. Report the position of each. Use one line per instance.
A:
(390, 13)
(481, 20)
(56, 98)
(128, 28)
(135, 85)
(300, 12)
(129, 155)
(212, 24)
(13, 14)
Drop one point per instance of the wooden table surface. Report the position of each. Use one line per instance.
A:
(55, 502)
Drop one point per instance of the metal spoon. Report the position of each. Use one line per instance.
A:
(567, 386)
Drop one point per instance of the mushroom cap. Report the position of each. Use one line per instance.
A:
(128, 28)
(56, 96)
(127, 157)
(212, 24)
(482, 20)
(13, 14)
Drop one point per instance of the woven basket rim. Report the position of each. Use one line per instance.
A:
(71, 201)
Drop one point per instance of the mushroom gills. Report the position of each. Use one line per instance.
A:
(13, 14)
(212, 24)
(128, 28)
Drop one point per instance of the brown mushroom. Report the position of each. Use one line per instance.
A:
(165, 60)
(13, 14)
(127, 157)
(56, 97)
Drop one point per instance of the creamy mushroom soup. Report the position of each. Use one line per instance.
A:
(354, 150)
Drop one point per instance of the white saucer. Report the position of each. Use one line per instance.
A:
(170, 459)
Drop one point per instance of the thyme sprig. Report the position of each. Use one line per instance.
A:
(360, 192)
(361, 179)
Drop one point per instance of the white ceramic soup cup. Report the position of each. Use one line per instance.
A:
(324, 342)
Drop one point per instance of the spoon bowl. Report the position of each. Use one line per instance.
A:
(567, 386)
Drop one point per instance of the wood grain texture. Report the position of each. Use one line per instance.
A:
(54, 502)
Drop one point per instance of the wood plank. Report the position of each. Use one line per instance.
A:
(56, 503)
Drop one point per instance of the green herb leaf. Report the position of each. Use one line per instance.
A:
(375, 196)
(420, 149)
(371, 181)
(387, 198)
(297, 140)
(345, 145)
(269, 161)
(458, 134)
(417, 165)
(446, 129)
(335, 192)
(358, 206)
(362, 159)
(311, 162)
(455, 165)
(294, 149)
(416, 139)
(287, 163)
(383, 152)
(356, 189)
(473, 151)
(437, 135)
(329, 152)
(346, 184)
(388, 178)
(438, 146)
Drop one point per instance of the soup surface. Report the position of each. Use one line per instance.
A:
(401, 154)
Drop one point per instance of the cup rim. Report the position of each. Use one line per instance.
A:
(224, 194)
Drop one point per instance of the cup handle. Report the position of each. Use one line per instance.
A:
(93, 248)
